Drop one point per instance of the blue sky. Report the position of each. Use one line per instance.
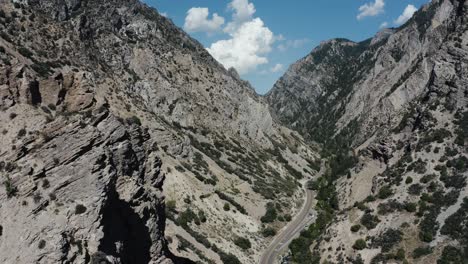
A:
(261, 38)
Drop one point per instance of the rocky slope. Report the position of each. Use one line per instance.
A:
(103, 100)
(391, 113)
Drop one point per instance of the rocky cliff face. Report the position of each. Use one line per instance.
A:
(102, 100)
(343, 84)
(80, 185)
(398, 103)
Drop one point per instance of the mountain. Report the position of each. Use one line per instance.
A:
(390, 113)
(124, 141)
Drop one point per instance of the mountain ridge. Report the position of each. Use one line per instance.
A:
(392, 113)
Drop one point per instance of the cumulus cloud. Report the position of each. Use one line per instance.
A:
(384, 25)
(277, 68)
(407, 14)
(249, 40)
(247, 47)
(197, 20)
(371, 9)
(243, 11)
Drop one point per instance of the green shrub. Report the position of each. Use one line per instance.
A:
(456, 181)
(360, 244)
(451, 152)
(300, 247)
(427, 178)
(388, 239)
(21, 133)
(243, 243)
(300, 250)
(239, 207)
(385, 192)
(180, 168)
(202, 216)
(52, 107)
(355, 228)
(411, 207)
(80, 209)
(462, 131)
(45, 184)
(228, 258)
(25, 52)
(43, 69)
(41, 244)
(186, 217)
(418, 166)
(409, 180)
(421, 251)
(390, 207)
(369, 221)
(270, 214)
(134, 120)
(460, 164)
(268, 232)
(451, 255)
(226, 207)
(171, 205)
(455, 225)
(415, 189)
(369, 199)
(400, 254)
(10, 189)
(429, 225)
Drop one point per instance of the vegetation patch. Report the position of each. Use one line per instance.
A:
(243, 243)
(225, 197)
(360, 244)
(270, 214)
(369, 221)
(388, 240)
(421, 251)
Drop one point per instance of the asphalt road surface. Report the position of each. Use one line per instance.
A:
(282, 240)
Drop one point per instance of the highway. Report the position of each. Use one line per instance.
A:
(288, 233)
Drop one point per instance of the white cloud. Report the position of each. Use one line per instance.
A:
(277, 68)
(197, 21)
(296, 43)
(247, 47)
(164, 14)
(384, 25)
(243, 11)
(371, 9)
(407, 14)
(249, 40)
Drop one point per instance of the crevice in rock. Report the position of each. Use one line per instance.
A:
(35, 93)
(61, 96)
(126, 235)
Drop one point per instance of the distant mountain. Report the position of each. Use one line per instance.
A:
(391, 115)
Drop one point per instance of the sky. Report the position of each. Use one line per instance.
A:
(261, 38)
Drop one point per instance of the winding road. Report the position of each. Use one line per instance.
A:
(282, 240)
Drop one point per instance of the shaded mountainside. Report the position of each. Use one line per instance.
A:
(101, 102)
(394, 108)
